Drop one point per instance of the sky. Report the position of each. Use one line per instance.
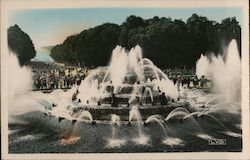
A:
(48, 27)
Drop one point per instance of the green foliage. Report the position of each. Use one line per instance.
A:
(167, 42)
(91, 47)
(20, 43)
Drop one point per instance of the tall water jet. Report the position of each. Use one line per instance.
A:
(114, 141)
(202, 66)
(115, 120)
(119, 60)
(134, 57)
(18, 82)
(19, 78)
(126, 62)
(134, 114)
(224, 72)
(89, 90)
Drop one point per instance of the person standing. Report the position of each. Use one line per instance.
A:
(202, 81)
(114, 100)
(195, 81)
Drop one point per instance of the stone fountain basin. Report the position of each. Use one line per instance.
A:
(123, 99)
(104, 112)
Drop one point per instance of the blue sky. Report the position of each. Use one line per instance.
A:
(51, 26)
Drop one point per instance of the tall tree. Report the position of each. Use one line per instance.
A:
(20, 43)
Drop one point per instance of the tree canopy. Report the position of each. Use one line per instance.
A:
(20, 43)
(167, 42)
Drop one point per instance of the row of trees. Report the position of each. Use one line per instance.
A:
(20, 43)
(167, 42)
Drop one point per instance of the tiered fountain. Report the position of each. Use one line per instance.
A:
(128, 81)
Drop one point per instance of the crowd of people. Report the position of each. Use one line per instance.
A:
(187, 78)
(191, 81)
(53, 76)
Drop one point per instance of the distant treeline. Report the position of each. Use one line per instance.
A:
(167, 42)
(20, 44)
